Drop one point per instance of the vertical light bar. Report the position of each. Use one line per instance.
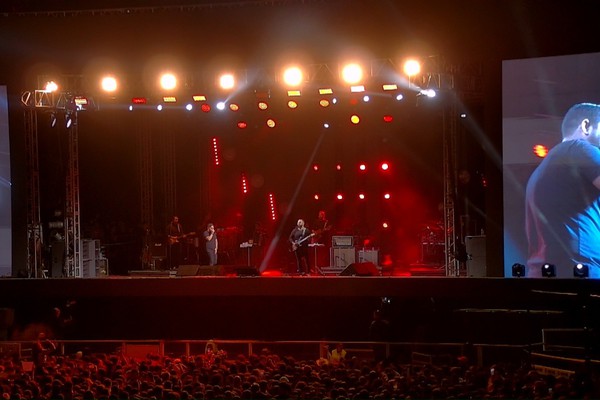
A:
(244, 183)
(215, 150)
(272, 206)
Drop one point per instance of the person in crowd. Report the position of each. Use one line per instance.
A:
(563, 198)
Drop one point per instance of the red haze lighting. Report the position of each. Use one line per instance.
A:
(338, 167)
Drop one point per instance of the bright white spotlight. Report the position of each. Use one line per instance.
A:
(399, 96)
(159, 107)
(428, 92)
(221, 105)
(189, 107)
(292, 76)
(227, 81)
(168, 81)
(109, 84)
(412, 67)
(326, 125)
(366, 99)
(130, 107)
(352, 74)
(51, 87)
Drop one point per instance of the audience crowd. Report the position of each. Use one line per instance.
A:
(215, 375)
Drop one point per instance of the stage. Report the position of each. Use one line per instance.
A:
(438, 309)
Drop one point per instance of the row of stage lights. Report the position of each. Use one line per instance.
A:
(293, 78)
(549, 270)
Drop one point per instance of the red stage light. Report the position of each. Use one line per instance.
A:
(387, 196)
(315, 167)
(385, 225)
(316, 196)
(272, 206)
(205, 107)
(388, 118)
(338, 167)
(362, 167)
(216, 150)
(385, 166)
(244, 184)
(340, 196)
(361, 196)
(139, 100)
(242, 125)
(540, 150)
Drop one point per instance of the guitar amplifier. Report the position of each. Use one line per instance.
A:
(342, 241)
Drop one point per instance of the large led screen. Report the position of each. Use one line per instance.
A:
(551, 221)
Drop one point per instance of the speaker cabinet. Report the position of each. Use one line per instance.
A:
(187, 270)
(360, 269)
(341, 258)
(476, 258)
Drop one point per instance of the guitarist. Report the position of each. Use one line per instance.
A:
(174, 246)
(299, 238)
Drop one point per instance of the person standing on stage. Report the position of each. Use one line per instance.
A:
(174, 247)
(212, 243)
(299, 240)
(321, 228)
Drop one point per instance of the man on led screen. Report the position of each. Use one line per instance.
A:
(563, 198)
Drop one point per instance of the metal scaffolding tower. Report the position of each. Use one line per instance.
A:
(74, 259)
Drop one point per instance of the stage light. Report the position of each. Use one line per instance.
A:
(262, 105)
(339, 196)
(352, 73)
(334, 100)
(362, 167)
(52, 120)
(242, 125)
(199, 97)
(169, 99)
(387, 196)
(361, 196)
(215, 150)
(168, 81)
(294, 93)
(357, 89)
(388, 118)
(384, 166)
(338, 167)
(272, 205)
(315, 167)
(399, 96)
(326, 125)
(463, 115)
(540, 150)
(324, 103)
(581, 271)
(205, 107)
(221, 105)
(271, 123)
(227, 81)
(51, 87)
(130, 107)
(385, 225)
(325, 91)
(428, 93)
(159, 107)
(390, 86)
(234, 107)
(68, 120)
(411, 67)
(292, 104)
(316, 196)
(189, 107)
(355, 119)
(366, 99)
(293, 76)
(244, 184)
(108, 84)
(139, 100)
(548, 270)
(518, 270)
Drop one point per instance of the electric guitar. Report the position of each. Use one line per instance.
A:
(297, 243)
(175, 239)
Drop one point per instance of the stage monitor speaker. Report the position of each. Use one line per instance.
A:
(360, 269)
(158, 249)
(187, 270)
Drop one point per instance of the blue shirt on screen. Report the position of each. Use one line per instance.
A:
(563, 210)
